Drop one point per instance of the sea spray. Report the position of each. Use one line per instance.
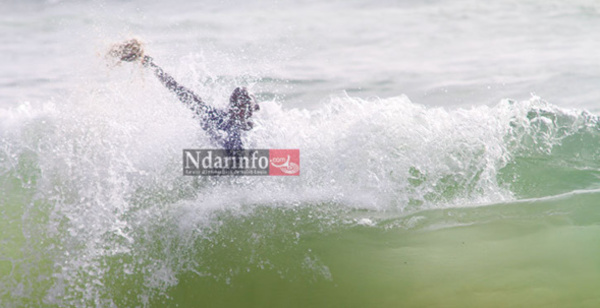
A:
(109, 220)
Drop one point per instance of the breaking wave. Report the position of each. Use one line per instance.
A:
(96, 212)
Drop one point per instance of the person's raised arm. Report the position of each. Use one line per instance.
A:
(211, 118)
(131, 51)
(184, 94)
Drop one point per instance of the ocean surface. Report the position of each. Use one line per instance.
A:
(450, 155)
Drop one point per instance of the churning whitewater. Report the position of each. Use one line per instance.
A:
(102, 200)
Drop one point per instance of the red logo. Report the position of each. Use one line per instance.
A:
(284, 162)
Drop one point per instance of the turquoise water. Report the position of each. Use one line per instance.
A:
(449, 156)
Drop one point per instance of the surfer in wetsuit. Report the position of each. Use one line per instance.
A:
(224, 126)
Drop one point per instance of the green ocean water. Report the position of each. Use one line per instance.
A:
(534, 253)
(530, 257)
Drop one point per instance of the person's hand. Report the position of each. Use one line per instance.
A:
(128, 51)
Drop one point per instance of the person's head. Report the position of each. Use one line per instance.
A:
(241, 106)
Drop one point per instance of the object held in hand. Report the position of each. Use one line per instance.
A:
(129, 51)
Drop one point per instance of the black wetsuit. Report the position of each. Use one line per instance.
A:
(221, 128)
